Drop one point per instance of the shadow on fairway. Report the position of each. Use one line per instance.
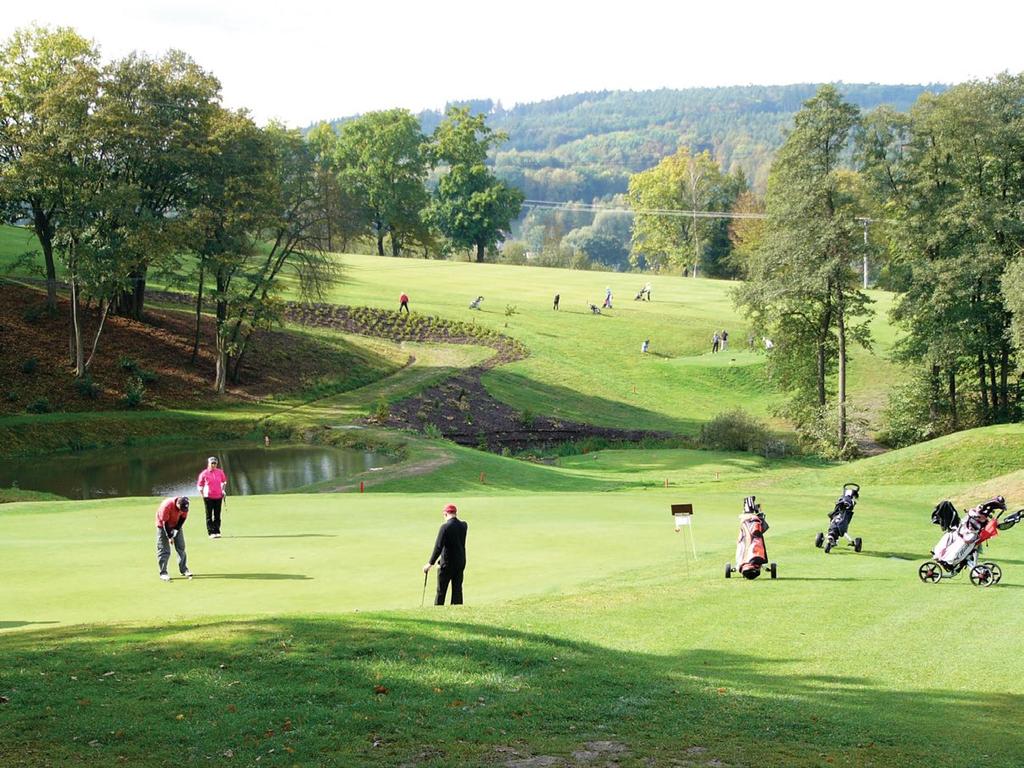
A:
(13, 624)
(894, 555)
(344, 686)
(256, 576)
(289, 536)
(783, 577)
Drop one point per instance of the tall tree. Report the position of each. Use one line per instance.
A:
(384, 164)
(153, 117)
(952, 172)
(48, 85)
(662, 236)
(342, 216)
(470, 207)
(802, 288)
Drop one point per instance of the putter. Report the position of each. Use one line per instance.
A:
(423, 597)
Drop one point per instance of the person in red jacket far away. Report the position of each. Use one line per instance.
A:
(403, 303)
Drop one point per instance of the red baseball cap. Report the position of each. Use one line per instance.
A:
(451, 508)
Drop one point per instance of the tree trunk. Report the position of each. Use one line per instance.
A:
(480, 252)
(96, 339)
(380, 242)
(1004, 381)
(821, 374)
(76, 332)
(933, 399)
(996, 408)
(841, 328)
(130, 303)
(199, 310)
(43, 228)
(983, 388)
(952, 399)
(220, 379)
(396, 245)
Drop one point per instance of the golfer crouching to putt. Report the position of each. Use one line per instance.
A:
(170, 517)
(450, 547)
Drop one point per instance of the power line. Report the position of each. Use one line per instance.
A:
(593, 208)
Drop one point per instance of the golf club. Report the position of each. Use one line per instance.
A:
(423, 597)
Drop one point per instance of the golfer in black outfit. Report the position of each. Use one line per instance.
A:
(450, 547)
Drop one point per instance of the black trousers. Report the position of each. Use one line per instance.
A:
(213, 515)
(446, 575)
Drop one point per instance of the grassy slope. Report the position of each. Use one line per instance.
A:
(589, 368)
(585, 623)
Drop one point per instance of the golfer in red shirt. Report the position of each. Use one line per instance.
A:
(170, 517)
(212, 483)
(403, 303)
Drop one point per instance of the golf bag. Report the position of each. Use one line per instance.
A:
(839, 520)
(594, 309)
(751, 553)
(963, 538)
(475, 303)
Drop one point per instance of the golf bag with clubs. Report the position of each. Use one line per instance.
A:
(962, 541)
(751, 554)
(475, 303)
(839, 521)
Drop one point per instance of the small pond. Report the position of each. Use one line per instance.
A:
(172, 470)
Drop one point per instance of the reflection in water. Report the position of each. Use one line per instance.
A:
(172, 470)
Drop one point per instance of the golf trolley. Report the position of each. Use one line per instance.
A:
(839, 521)
(751, 555)
(962, 542)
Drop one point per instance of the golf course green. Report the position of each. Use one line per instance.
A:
(591, 634)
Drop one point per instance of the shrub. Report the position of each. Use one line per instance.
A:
(148, 377)
(381, 411)
(734, 431)
(36, 312)
(526, 418)
(29, 365)
(42, 405)
(510, 309)
(128, 364)
(134, 392)
(433, 432)
(86, 387)
(11, 396)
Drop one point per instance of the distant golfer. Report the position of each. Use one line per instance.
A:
(725, 340)
(450, 547)
(403, 303)
(557, 297)
(716, 340)
(212, 484)
(645, 346)
(170, 517)
(607, 298)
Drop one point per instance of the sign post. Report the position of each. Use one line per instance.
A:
(682, 516)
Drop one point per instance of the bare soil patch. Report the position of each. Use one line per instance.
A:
(35, 362)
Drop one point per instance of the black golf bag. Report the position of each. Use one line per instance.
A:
(839, 520)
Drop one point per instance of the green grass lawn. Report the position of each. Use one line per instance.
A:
(587, 629)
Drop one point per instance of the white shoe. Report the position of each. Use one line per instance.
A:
(216, 535)
(187, 574)
(213, 535)
(165, 577)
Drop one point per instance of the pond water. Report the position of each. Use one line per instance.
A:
(172, 470)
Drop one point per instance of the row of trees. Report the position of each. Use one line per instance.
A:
(943, 185)
(134, 167)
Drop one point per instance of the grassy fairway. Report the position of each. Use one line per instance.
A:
(589, 368)
(586, 626)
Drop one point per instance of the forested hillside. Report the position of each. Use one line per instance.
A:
(585, 145)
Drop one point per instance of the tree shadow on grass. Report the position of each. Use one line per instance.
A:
(288, 536)
(388, 690)
(14, 624)
(894, 555)
(255, 576)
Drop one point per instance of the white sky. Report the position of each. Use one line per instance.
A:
(307, 60)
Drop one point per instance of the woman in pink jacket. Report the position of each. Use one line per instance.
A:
(212, 483)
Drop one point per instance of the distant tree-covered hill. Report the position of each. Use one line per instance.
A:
(585, 145)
